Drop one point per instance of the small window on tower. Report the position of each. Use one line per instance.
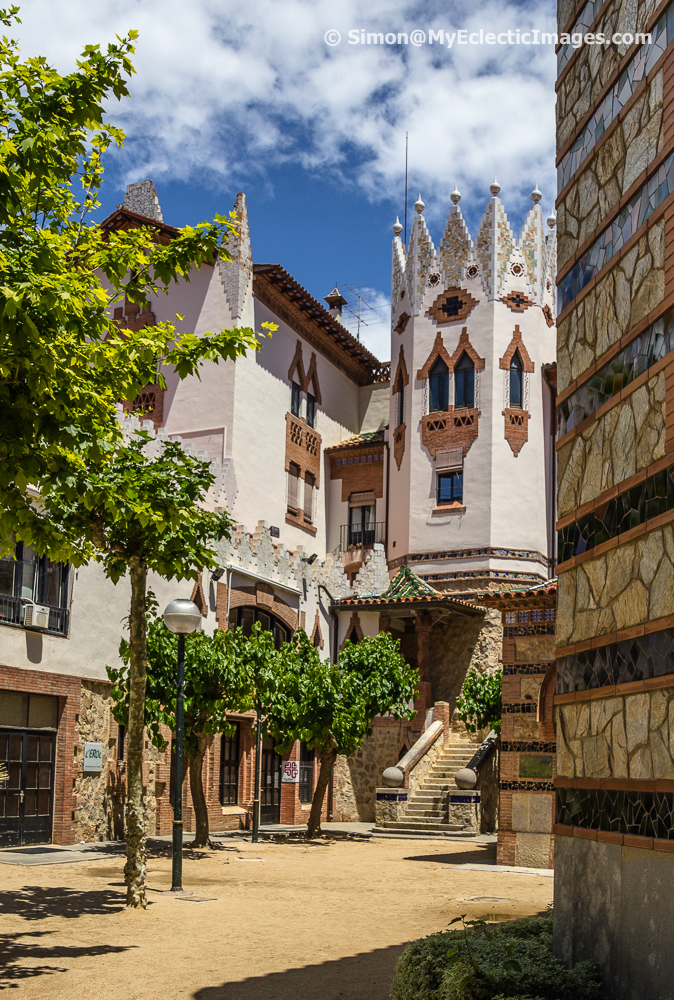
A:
(516, 381)
(450, 488)
(295, 399)
(464, 378)
(311, 410)
(401, 406)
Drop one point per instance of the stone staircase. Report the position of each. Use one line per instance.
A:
(426, 811)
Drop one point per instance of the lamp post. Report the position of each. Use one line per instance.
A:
(182, 617)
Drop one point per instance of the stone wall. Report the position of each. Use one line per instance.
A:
(624, 737)
(357, 777)
(606, 176)
(99, 804)
(621, 298)
(593, 65)
(459, 645)
(625, 440)
(624, 587)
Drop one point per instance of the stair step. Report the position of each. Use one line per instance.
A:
(425, 827)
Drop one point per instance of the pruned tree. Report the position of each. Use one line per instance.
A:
(215, 684)
(479, 704)
(331, 707)
(138, 514)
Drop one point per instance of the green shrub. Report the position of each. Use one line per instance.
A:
(510, 961)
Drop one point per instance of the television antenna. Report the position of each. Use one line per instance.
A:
(357, 311)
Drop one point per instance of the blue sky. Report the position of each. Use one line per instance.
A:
(249, 97)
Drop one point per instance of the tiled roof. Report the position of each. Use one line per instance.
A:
(541, 593)
(407, 588)
(372, 437)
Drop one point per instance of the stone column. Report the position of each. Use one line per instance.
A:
(425, 697)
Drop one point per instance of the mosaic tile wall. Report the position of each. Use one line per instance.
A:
(616, 99)
(618, 663)
(622, 513)
(650, 346)
(638, 209)
(636, 814)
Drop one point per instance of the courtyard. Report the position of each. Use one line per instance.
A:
(268, 921)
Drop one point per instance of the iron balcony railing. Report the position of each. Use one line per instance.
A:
(11, 613)
(362, 536)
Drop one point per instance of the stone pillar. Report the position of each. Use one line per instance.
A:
(441, 714)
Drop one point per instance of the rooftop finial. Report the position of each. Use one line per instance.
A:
(536, 195)
(494, 187)
(552, 219)
(419, 205)
(455, 195)
(397, 227)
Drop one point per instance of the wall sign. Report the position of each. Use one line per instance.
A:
(291, 771)
(93, 757)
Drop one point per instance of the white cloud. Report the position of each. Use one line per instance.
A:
(375, 316)
(225, 91)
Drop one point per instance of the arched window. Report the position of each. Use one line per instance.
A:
(439, 380)
(516, 381)
(245, 618)
(464, 378)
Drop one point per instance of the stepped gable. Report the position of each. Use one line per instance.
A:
(237, 274)
(399, 290)
(141, 198)
(456, 246)
(532, 245)
(421, 259)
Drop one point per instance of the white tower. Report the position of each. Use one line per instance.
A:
(472, 397)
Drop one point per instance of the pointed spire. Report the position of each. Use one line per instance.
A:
(536, 195)
(494, 187)
(552, 219)
(456, 246)
(495, 244)
(532, 246)
(419, 205)
(397, 227)
(421, 259)
(237, 274)
(455, 195)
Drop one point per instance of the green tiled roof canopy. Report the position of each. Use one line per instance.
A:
(407, 584)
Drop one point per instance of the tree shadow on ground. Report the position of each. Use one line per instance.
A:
(359, 977)
(14, 954)
(33, 902)
(484, 856)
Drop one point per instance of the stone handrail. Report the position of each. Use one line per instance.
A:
(467, 776)
(399, 776)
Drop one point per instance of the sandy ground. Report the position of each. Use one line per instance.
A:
(278, 921)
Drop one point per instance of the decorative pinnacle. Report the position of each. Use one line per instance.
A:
(419, 205)
(536, 195)
(397, 227)
(455, 195)
(494, 187)
(552, 219)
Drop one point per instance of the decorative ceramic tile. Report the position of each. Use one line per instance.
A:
(650, 346)
(618, 663)
(527, 746)
(636, 814)
(638, 209)
(628, 510)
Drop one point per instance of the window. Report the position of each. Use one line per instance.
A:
(516, 381)
(439, 380)
(295, 399)
(361, 525)
(293, 487)
(309, 482)
(464, 377)
(121, 738)
(311, 410)
(245, 618)
(306, 788)
(229, 768)
(452, 306)
(401, 405)
(36, 579)
(450, 488)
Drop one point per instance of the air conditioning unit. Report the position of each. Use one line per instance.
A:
(36, 615)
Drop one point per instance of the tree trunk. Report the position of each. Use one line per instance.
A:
(327, 762)
(201, 838)
(136, 860)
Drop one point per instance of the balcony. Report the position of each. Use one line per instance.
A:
(11, 613)
(361, 536)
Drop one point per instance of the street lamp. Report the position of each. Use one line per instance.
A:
(182, 617)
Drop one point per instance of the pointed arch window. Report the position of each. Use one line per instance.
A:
(439, 386)
(464, 380)
(516, 381)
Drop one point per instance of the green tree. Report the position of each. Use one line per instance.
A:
(479, 704)
(64, 364)
(331, 707)
(138, 514)
(215, 683)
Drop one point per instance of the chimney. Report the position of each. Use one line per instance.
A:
(336, 301)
